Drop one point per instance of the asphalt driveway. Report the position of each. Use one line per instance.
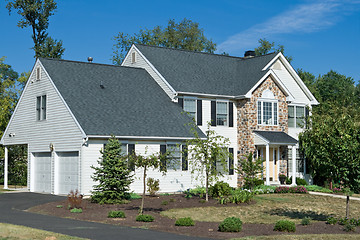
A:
(12, 206)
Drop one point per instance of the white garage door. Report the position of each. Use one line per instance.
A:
(42, 170)
(68, 171)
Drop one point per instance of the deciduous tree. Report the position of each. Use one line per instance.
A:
(250, 168)
(205, 153)
(266, 47)
(35, 14)
(183, 35)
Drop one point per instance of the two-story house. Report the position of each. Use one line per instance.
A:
(68, 110)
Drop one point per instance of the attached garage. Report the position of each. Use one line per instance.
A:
(42, 172)
(67, 172)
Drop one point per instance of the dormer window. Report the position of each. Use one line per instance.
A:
(38, 74)
(133, 57)
(267, 107)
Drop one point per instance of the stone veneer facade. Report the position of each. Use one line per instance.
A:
(247, 121)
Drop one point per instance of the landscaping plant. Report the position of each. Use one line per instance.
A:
(76, 210)
(305, 221)
(206, 153)
(116, 214)
(75, 199)
(331, 220)
(186, 221)
(284, 226)
(144, 218)
(220, 189)
(155, 161)
(250, 169)
(230, 224)
(113, 176)
(153, 186)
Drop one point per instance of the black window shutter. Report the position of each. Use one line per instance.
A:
(213, 113)
(163, 161)
(306, 115)
(131, 150)
(181, 102)
(199, 112)
(231, 161)
(231, 114)
(184, 158)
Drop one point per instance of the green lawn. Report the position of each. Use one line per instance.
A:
(270, 208)
(15, 232)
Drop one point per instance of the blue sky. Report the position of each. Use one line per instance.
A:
(320, 35)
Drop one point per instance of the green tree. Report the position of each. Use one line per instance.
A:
(205, 153)
(250, 168)
(154, 161)
(36, 14)
(332, 147)
(266, 47)
(310, 81)
(336, 88)
(183, 35)
(113, 176)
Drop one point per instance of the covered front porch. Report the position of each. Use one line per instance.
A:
(273, 146)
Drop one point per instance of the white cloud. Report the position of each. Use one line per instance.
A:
(305, 18)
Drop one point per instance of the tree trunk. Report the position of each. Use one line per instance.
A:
(347, 206)
(207, 187)
(144, 191)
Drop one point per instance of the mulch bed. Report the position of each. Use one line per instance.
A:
(154, 206)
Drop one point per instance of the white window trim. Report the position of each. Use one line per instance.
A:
(196, 109)
(295, 106)
(39, 117)
(227, 113)
(272, 101)
(180, 161)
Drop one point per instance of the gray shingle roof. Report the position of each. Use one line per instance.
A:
(130, 104)
(277, 137)
(206, 73)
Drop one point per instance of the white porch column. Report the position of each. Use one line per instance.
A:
(273, 165)
(267, 165)
(6, 169)
(293, 165)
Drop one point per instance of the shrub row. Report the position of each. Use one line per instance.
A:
(296, 189)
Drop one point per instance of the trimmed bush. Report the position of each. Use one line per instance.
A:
(116, 214)
(230, 224)
(144, 218)
(76, 210)
(331, 220)
(284, 226)
(220, 189)
(300, 181)
(186, 221)
(198, 191)
(306, 221)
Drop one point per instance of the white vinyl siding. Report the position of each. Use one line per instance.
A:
(60, 128)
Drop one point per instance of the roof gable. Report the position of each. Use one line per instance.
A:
(206, 73)
(122, 101)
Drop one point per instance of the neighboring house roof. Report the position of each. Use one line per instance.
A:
(130, 103)
(275, 137)
(205, 73)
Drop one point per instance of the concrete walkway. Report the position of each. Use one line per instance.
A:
(13, 204)
(333, 195)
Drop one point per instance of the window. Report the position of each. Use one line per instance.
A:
(41, 108)
(221, 113)
(38, 74)
(174, 160)
(296, 116)
(190, 107)
(226, 167)
(267, 112)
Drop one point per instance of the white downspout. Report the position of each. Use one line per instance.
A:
(6, 169)
(267, 165)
